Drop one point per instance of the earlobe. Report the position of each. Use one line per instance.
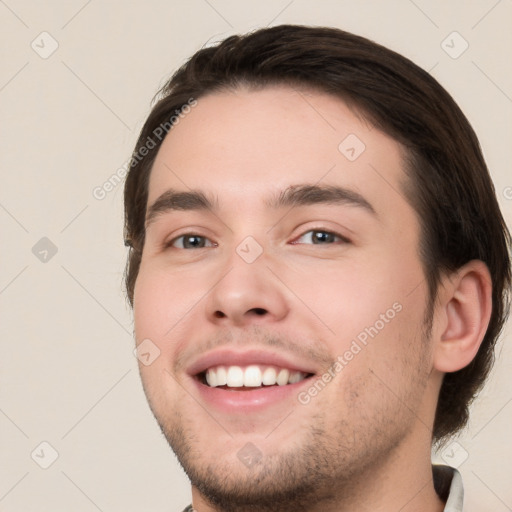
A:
(466, 311)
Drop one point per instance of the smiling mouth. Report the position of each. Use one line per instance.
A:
(251, 377)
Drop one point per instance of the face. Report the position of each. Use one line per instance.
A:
(281, 282)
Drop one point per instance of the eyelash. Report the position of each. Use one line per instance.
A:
(340, 238)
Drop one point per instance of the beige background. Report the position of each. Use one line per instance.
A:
(68, 123)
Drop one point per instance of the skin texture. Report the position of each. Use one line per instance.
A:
(363, 442)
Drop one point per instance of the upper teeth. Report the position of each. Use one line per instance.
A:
(251, 376)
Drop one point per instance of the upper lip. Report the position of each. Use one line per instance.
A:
(229, 357)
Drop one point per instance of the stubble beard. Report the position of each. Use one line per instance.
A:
(290, 481)
(327, 464)
(324, 464)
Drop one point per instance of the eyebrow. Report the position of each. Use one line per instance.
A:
(292, 197)
(303, 195)
(172, 200)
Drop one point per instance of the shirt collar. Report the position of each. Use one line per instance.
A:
(448, 484)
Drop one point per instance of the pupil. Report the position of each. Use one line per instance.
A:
(193, 241)
(322, 236)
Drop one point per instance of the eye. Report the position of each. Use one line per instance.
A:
(190, 241)
(320, 237)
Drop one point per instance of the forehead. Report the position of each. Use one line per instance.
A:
(248, 144)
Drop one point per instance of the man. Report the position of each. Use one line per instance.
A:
(318, 257)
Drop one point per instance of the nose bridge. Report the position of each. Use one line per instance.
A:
(247, 289)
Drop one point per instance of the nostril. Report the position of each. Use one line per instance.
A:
(255, 311)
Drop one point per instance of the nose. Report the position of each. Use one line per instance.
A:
(247, 293)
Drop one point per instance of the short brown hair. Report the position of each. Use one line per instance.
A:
(448, 182)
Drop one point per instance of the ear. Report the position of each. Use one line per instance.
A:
(463, 312)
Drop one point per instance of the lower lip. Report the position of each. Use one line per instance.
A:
(230, 400)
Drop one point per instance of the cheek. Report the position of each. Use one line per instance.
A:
(154, 315)
(349, 296)
(166, 307)
(147, 306)
(376, 301)
(162, 299)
